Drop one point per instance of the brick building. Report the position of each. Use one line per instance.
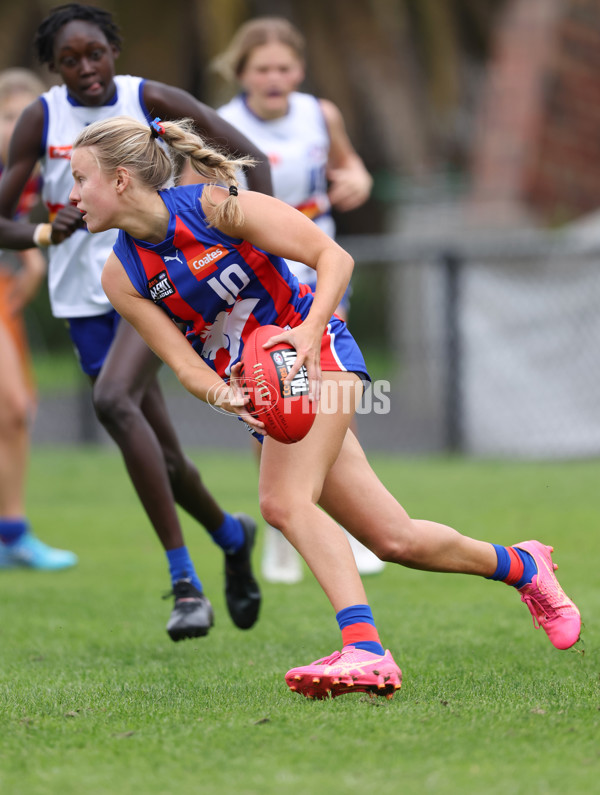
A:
(538, 142)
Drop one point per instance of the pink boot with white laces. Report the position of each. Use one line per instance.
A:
(549, 605)
(350, 671)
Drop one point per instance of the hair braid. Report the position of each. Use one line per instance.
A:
(210, 163)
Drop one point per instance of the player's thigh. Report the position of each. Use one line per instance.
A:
(154, 409)
(14, 396)
(298, 470)
(129, 363)
(355, 497)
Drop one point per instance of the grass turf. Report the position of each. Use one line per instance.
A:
(95, 698)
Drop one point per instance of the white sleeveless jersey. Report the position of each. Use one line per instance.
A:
(75, 265)
(297, 146)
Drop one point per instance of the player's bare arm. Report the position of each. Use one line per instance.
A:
(291, 235)
(23, 154)
(167, 341)
(350, 182)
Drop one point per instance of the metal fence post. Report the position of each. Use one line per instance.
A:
(453, 398)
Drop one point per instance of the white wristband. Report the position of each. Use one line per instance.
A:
(42, 235)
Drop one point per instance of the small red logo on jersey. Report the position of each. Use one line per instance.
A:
(59, 152)
(204, 264)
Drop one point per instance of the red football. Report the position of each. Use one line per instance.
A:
(284, 408)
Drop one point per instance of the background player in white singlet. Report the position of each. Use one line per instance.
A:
(314, 167)
(313, 163)
(81, 43)
(21, 274)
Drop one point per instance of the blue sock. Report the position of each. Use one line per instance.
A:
(529, 567)
(181, 567)
(12, 530)
(505, 562)
(358, 629)
(230, 536)
(503, 566)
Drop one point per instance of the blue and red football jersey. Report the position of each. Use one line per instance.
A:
(220, 287)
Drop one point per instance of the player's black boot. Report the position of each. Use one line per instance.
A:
(242, 593)
(192, 614)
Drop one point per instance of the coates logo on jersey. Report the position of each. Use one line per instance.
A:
(206, 263)
(160, 287)
(59, 152)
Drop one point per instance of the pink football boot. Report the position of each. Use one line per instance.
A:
(549, 605)
(350, 671)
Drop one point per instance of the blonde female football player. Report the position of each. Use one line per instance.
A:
(120, 171)
(314, 168)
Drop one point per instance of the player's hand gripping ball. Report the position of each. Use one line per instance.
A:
(282, 406)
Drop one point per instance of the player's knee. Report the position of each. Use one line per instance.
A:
(180, 469)
(14, 413)
(112, 406)
(275, 510)
(397, 547)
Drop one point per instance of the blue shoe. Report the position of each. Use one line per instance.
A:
(5, 560)
(31, 553)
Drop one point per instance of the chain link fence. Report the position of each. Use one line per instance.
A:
(496, 337)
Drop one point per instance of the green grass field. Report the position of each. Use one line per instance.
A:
(95, 699)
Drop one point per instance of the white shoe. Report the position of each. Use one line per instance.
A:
(280, 561)
(366, 561)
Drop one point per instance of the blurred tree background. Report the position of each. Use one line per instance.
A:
(406, 74)
(479, 121)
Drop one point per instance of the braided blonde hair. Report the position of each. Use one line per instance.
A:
(127, 142)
